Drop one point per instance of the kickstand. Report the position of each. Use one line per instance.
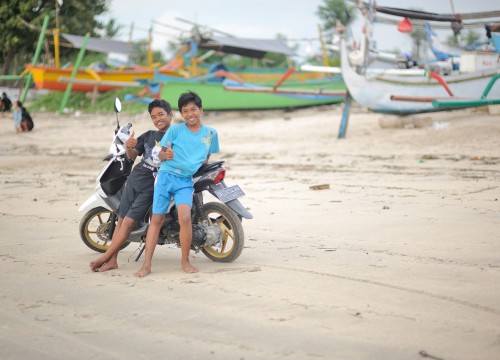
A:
(141, 249)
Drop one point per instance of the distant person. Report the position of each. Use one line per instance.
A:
(26, 120)
(5, 104)
(22, 118)
(137, 195)
(18, 116)
(185, 147)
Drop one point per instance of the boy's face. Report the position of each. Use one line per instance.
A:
(191, 113)
(161, 118)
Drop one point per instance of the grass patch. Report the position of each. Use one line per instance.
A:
(83, 102)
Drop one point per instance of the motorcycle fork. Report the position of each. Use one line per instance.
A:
(112, 219)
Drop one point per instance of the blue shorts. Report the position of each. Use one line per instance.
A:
(169, 185)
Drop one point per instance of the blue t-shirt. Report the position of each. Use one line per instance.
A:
(190, 149)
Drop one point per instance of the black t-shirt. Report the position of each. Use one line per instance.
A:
(144, 173)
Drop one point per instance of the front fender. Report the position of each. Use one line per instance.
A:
(92, 202)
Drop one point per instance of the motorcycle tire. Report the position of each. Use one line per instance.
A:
(94, 229)
(233, 237)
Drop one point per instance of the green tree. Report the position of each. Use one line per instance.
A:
(335, 10)
(463, 41)
(112, 28)
(140, 55)
(418, 36)
(333, 13)
(20, 19)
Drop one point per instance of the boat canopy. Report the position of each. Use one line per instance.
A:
(100, 44)
(255, 48)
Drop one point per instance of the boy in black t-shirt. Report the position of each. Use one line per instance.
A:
(137, 195)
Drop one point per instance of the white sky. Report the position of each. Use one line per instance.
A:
(261, 18)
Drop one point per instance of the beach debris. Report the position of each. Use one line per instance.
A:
(456, 157)
(385, 207)
(440, 125)
(423, 353)
(319, 187)
(406, 122)
(429, 157)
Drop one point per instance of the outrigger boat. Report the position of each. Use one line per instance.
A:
(408, 92)
(395, 91)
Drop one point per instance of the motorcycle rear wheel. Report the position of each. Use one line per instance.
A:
(233, 237)
(94, 229)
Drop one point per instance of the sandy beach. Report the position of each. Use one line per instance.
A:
(398, 258)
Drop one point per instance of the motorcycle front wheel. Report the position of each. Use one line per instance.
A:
(233, 237)
(95, 229)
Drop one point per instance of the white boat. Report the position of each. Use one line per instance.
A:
(407, 91)
(380, 91)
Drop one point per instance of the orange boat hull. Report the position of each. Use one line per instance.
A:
(46, 77)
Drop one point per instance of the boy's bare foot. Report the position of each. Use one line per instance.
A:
(143, 271)
(96, 264)
(108, 266)
(190, 269)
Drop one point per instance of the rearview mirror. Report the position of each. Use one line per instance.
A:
(118, 105)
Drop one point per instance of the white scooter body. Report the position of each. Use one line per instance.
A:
(116, 154)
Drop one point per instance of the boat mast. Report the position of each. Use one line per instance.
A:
(56, 37)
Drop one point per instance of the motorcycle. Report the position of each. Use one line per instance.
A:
(216, 226)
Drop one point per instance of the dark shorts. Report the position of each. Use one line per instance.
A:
(135, 204)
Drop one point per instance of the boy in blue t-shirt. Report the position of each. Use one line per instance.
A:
(185, 147)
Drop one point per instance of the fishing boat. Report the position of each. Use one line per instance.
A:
(407, 92)
(186, 65)
(88, 80)
(218, 96)
(223, 89)
(400, 91)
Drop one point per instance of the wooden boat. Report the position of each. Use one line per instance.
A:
(46, 77)
(268, 76)
(216, 97)
(50, 78)
(185, 65)
(407, 94)
(410, 91)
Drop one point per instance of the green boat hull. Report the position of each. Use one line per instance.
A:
(216, 98)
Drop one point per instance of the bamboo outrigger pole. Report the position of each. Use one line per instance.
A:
(29, 77)
(56, 37)
(74, 72)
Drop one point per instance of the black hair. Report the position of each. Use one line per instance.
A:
(161, 104)
(187, 97)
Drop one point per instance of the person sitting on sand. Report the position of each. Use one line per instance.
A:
(26, 120)
(137, 195)
(185, 147)
(5, 103)
(18, 116)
